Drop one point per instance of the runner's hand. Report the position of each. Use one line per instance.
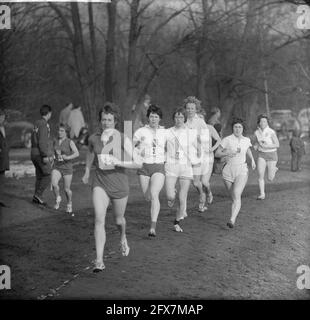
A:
(85, 178)
(253, 165)
(46, 159)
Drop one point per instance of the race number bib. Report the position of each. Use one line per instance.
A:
(105, 162)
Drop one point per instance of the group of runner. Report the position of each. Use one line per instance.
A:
(184, 153)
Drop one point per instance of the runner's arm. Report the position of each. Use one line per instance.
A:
(224, 152)
(90, 156)
(250, 155)
(75, 153)
(215, 136)
(275, 143)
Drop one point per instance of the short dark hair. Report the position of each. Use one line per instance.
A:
(64, 126)
(110, 108)
(240, 121)
(180, 110)
(45, 109)
(153, 108)
(262, 116)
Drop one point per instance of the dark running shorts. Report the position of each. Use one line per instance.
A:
(148, 169)
(268, 156)
(113, 182)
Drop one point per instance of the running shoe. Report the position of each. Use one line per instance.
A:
(177, 228)
(152, 233)
(202, 207)
(99, 266)
(210, 198)
(69, 208)
(124, 248)
(37, 200)
(57, 203)
(261, 197)
(202, 203)
(230, 224)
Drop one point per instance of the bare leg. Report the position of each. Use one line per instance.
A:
(170, 189)
(56, 176)
(119, 206)
(202, 196)
(261, 167)
(100, 202)
(272, 169)
(184, 186)
(206, 180)
(237, 189)
(145, 186)
(156, 184)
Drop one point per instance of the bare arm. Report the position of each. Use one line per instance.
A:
(250, 155)
(223, 152)
(75, 153)
(215, 136)
(90, 156)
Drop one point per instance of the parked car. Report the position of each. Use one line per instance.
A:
(304, 120)
(284, 121)
(19, 134)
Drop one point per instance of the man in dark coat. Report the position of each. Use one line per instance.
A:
(297, 151)
(42, 153)
(4, 153)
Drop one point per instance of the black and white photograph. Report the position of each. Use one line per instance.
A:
(155, 150)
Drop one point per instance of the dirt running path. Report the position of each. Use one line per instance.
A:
(50, 253)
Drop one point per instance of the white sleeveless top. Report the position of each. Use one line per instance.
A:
(265, 135)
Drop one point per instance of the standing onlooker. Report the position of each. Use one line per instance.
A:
(4, 151)
(297, 150)
(141, 119)
(76, 122)
(65, 113)
(42, 153)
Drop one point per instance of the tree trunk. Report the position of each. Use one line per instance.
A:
(109, 75)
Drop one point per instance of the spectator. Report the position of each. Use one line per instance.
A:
(4, 152)
(65, 113)
(42, 153)
(297, 150)
(76, 122)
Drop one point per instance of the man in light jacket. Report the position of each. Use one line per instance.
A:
(76, 122)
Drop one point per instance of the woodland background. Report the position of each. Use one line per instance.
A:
(238, 55)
